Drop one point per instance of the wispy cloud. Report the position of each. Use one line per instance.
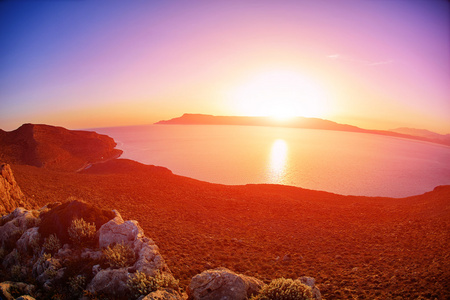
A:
(337, 56)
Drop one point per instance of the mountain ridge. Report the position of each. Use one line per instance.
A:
(301, 122)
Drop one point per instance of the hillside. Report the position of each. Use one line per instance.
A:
(355, 247)
(55, 148)
(302, 122)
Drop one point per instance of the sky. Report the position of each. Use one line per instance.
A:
(377, 64)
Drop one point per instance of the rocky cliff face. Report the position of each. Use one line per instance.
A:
(11, 195)
(55, 148)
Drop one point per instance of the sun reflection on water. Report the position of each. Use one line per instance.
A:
(278, 157)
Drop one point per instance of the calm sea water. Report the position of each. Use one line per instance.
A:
(340, 162)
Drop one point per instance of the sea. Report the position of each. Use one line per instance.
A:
(345, 163)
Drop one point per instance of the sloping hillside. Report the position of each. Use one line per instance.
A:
(55, 148)
(361, 247)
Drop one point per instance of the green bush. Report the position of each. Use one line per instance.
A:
(143, 284)
(119, 255)
(284, 289)
(81, 233)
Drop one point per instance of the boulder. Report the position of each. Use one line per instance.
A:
(20, 287)
(9, 234)
(25, 297)
(11, 195)
(149, 260)
(28, 240)
(12, 259)
(15, 224)
(222, 284)
(59, 218)
(165, 294)
(311, 282)
(117, 231)
(91, 254)
(112, 283)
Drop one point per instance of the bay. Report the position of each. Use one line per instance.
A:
(340, 162)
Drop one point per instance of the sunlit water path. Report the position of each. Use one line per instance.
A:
(340, 162)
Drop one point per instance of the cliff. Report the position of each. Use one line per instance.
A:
(11, 195)
(55, 148)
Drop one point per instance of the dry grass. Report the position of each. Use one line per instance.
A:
(355, 247)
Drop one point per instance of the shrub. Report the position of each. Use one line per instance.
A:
(143, 284)
(52, 243)
(119, 255)
(51, 272)
(43, 258)
(284, 289)
(165, 280)
(81, 233)
(77, 284)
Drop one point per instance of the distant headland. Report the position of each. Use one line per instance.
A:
(306, 123)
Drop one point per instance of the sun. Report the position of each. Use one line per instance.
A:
(281, 94)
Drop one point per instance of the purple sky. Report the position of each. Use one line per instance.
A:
(378, 63)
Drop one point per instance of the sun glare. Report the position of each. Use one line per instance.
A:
(280, 94)
(277, 166)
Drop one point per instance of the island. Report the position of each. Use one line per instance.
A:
(306, 123)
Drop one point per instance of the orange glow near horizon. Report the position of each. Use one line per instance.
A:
(281, 94)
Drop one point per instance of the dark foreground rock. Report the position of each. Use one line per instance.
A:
(223, 284)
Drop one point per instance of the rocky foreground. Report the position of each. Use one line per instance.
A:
(354, 247)
(55, 252)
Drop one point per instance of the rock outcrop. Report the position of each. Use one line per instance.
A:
(55, 148)
(26, 252)
(11, 195)
(223, 284)
(59, 218)
(122, 263)
(311, 282)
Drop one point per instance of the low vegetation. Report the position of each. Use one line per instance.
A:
(82, 233)
(355, 247)
(52, 244)
(119, 255)
(284, 289)
(143, 284)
